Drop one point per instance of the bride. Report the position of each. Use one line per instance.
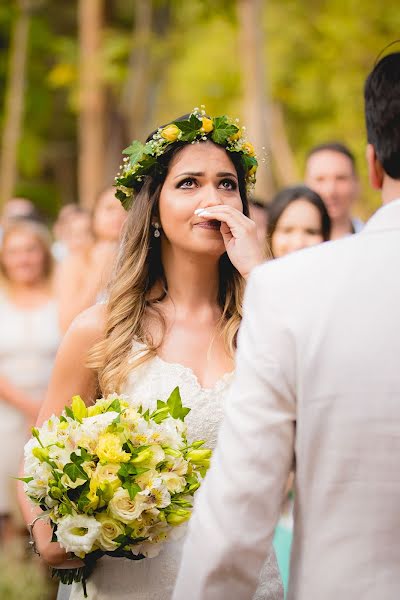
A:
(172, 315)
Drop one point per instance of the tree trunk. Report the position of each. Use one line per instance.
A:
(135, 94)
(254, 88)
(14, 104)
(92, 103)
(284, 161)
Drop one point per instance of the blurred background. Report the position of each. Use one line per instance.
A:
(79, 79)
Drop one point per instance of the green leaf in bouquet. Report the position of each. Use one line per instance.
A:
(85, 455)
(129, 469)
(83, 500)
(24, 479)
(176, 410)
(73, 470)
(115, 406)
(129, 447)
(161, 412)
(190, 128)
(223, 130)
(63, 419)
(132, 487)
(203, 471)
(69, 413)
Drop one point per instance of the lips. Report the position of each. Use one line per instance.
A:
(214, 225)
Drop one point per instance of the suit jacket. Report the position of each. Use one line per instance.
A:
(318, 386)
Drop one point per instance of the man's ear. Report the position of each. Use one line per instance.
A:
(375, 170)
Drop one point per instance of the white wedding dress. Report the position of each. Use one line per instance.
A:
(154, 578)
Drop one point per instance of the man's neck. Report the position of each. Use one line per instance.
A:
(390, 189)
(341, 227)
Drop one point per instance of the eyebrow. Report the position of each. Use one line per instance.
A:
(202, 174)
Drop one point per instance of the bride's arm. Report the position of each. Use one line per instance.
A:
(70, 377)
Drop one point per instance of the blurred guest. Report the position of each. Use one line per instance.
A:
(331, 172)
(81, 279)
(259, 214)
(17, 208)
(297, 218)
(29, 339)
(72, 232)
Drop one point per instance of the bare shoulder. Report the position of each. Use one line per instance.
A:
(88, 326)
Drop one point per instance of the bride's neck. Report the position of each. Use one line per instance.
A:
(192, 281)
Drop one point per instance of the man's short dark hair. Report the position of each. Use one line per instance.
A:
(334, 147)
(382, 112)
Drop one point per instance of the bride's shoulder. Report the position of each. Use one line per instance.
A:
(88, 326)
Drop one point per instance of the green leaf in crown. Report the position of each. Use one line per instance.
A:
(135, 151)
(223, 130)
(190, 128)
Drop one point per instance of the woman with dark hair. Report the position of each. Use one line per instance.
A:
(172, 314)
(297, 218)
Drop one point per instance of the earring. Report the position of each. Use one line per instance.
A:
(156, 230)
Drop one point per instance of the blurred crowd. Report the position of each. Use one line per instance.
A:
(49, 277)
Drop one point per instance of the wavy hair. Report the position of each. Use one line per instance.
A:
(139, 268)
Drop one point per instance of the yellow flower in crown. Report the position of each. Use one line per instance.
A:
(170, 133)
(109, 449)
(236, 136)
(252, 171)
(207, 125)
(248, 148)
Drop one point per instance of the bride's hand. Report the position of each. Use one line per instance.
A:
(239, 234)
(51, 552)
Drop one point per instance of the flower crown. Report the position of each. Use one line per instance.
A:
(141, 159)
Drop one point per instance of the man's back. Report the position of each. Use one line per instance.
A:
(341, 304)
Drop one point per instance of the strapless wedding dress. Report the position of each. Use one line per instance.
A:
(154, 578)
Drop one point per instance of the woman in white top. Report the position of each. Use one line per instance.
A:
(172, 315)
(29, 337)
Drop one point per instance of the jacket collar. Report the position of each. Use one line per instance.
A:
(386, 218)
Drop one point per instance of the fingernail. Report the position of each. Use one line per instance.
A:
(198, 211)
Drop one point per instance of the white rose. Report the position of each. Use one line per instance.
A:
(126, 510)
(174, 483)
(110, 529)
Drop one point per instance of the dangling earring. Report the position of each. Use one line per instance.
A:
(156, 230)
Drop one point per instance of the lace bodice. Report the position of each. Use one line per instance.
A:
(155, 380)
(154, 579)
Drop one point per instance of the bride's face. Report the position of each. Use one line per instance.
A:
(200, 175)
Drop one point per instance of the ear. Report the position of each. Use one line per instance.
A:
(375, 170)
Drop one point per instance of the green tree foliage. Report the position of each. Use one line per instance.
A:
(317, 55)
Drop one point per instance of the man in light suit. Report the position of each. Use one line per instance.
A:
(318, 386)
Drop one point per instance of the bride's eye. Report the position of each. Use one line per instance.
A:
(228, 184)
(187, 183)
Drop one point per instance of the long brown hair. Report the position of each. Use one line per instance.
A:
(138, 269)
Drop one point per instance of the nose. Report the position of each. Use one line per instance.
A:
(298, 241)
(209, 196)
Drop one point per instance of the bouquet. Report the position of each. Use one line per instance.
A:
(114, 478)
